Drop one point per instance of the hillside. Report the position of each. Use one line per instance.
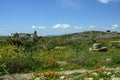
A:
(82, 36)
(50, 54)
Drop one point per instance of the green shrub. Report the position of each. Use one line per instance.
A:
(82, 60)
(12, 62)
(116, 59)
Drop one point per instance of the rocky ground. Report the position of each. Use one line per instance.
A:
(31, 76)
(17, 76)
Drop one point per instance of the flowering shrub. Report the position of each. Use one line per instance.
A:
(48, 74)
(97, 74)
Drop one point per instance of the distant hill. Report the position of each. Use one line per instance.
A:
(93, 35)
(87, 35)
(4, 37)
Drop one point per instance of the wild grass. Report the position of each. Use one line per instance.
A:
(44, 53)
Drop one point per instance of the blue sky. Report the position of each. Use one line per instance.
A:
(55, 17)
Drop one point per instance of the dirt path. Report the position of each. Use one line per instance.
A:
(29, 76)
(20, 76)
(68, 72)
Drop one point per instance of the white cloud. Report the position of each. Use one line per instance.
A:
(38, 27)
(77, 27)
(91, 26)
(107, 1)
(42, 27)
(3, 33)
(33, 27)
(61, 26)
(65, 28)
(115, 26)
(104, 1)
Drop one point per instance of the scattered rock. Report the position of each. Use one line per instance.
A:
(66, 73)
(62, 78)
(94, 74)
(101, 79)
(70, 79)
(88, 79)
(115, 78)
(41, 78)
(17, 77)
(62, 63)
(108, 60)
(97, 47)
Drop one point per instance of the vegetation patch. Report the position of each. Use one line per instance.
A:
(59, 53)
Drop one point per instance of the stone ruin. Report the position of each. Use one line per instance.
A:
(24, 35)
(97, 47)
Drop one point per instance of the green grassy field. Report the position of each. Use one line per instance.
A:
(56, 53)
